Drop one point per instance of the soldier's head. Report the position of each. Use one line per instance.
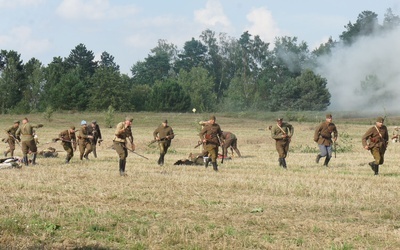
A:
(16, 123)
(212, 119)
(165, 123)
(379, 121)
(83, 123)
(279, 121)
(72, 129)
(25, 120)
(128, 121)
(328, 117)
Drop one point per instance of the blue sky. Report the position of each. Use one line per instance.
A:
(129, 29)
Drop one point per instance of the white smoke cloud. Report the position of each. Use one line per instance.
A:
(347, 67)
(263, 25)
(212, 15)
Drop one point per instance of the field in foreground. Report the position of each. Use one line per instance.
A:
(250, 203)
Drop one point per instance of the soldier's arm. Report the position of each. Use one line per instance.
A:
(275, 133)
(317, 133)
(291, 129)
(365, 137)
(171, 134)
(155, 134)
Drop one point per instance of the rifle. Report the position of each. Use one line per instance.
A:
(130, 150)
(15, 139)
(161, 139)
(198, 144)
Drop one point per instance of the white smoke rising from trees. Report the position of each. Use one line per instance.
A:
(348, 66)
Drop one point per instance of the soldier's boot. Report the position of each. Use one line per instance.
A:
(215, 166)
(26, 162)
(86, 156)
(67, 160)
(280, 160)
(376, 172)
(327, 159)
(206, 162)
(284, 163)
(317, 159)
(94, 153)
(372, 165)
(122, 164)
(34, 159)
(162, 159)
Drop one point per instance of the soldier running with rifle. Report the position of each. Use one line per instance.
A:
(11, 138)
(123, 133)
(282, 133)
(323, 136)
(68, 141)
(210, 135)
(163, 135)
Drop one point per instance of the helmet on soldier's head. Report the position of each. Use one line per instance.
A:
(83, 122)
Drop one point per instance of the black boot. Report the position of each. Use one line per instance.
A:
(318, 157)
(94, 153)
(376, 172)
(34, 159)
(372, 165)
(122, 164)
(280, 160)
(206, 162)
(159, 160)
(284, 163)
(26, 160)
(162, 159)
(215, 167)
(327, 159)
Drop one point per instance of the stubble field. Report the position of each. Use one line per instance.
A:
(250, 203)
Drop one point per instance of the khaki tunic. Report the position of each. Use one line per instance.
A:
(323, 133)
(162, 133)
(212, 133)
(376, 142)
(25, 132)
(68, 141)
(85, 147)
(12, 136)
(122, 133)
(282, 144)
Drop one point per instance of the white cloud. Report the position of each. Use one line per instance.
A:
(93, 10)
(21, 40)
(19, 3)
(212, 15)
(263, 25)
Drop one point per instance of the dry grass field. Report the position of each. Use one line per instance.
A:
(250, 203)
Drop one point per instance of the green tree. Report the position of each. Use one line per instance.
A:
(200, 88)
(53, 74)
(391, 20)
(193, 55)
(168, 96)
(12, 80)
(366, 24)
(35, 77)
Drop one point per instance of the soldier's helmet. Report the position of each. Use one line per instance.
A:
(83, 122)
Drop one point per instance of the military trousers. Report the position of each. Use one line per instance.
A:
(68, 148)
(325, 150)
(121, 149)
(282, 147)
(164, 145)
(212, 150)
(28, 146)
(85, 147)
(378, 154)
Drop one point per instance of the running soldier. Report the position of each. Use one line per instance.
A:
(68, 141)
(376, 140)
(210, 135)
(85, 146)
(323, 136)
(25, 132)
(282, 133)
(123, 133)
(94, 130)
(163, 135)
(11, 138)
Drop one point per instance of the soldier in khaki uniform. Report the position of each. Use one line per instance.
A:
(282, 133)
(230, 140)
(11, 139)
(94, 130)
(163, 134)
(85, 146)
(210, 135)
(123, 132)
(25, 132)
(323, 136)
(68, 141)
(376, 140)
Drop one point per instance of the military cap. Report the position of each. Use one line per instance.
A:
(128, 118)
(72, 127)
(328, 116)
(17, 121)
(165, 121)
(94, 122)
(279, 119)
(212, 117)
(380, 119)
(25, 118)
(83, 122)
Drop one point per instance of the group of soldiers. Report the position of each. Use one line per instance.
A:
(211, 136)
(375, 139)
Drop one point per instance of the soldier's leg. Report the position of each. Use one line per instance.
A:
(214, 162)
(377, 159)
(25, 151)
(122, 154)
(88, 150)
(328, 155)
(81, 150)
(94, 150)
(70, 152)
(280, 147)
(32, 147)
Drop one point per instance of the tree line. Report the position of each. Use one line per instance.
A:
(212, 73)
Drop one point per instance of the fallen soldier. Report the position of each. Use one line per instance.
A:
(192, 160)
(48, 152)
(10, 162)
